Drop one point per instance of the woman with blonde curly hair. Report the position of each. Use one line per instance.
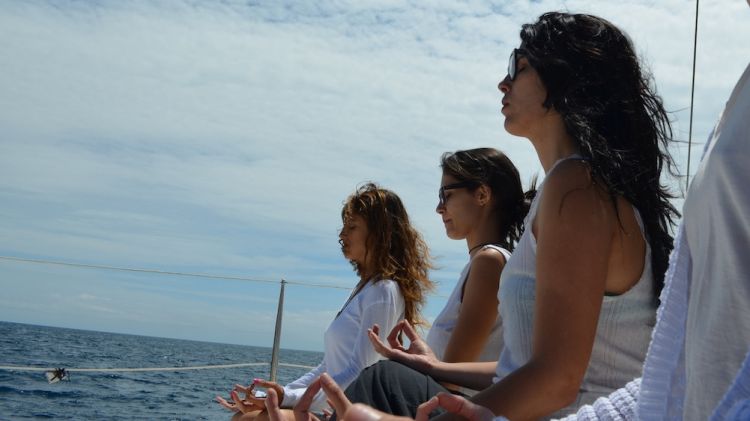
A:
(392, 262)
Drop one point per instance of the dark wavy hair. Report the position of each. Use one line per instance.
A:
(609, 107)
(492, 168)
(396, 248)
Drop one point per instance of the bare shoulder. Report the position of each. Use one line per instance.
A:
(572, 193)
(573, 174)
(488, 256)
(486, 267)
(484, 278)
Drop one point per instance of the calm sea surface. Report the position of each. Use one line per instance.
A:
(182, 395)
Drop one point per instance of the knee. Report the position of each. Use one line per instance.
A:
(385, 368)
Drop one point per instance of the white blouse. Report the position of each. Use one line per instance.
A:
(347, 349)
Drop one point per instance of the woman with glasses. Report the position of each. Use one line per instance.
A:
(482, 202)
(392, 262)
(578, 297)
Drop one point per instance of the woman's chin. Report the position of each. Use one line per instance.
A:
(510, 127)
(454, 235)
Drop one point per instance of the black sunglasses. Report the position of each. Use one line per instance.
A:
(513, 62)
(459, 185)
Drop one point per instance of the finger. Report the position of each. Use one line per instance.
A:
(393, 339)
(377, 344)
(326, 413)
(336, 395)
(270, 385)
(248, 391)
(302, 409)
(375, 329)
(265, 383)
(424, 410)
(223, 402)
(461, 406)
(272, 406)
(279, 391)
(239, 403)
(255, 401)
(410, 332)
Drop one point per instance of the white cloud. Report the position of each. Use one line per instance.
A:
(223, 137)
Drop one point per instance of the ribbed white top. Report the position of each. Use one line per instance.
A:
(623, 331)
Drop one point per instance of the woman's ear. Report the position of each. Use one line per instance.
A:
(483, 194)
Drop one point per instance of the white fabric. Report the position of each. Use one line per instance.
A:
(736, 402)
(623, 330)
(716, 341)
(442, 328)
(618, 406)
(347, 349)
(708, 272)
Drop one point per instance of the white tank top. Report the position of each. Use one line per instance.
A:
(442, 328)
(623, 331)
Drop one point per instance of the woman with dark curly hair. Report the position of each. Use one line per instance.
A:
(392, 261)
(578, 297)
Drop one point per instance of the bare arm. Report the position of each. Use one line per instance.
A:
(474, 375)
(478, 308)
(419, 356)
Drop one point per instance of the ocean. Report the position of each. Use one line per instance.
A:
(181, 395)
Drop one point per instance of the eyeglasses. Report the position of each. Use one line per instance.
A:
(513, 62)
(459, 185)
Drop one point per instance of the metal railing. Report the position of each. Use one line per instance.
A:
(277, 328)
(274, 365)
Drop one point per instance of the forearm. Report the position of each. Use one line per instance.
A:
(531, 392)
(474, 375)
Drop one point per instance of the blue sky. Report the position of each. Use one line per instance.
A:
(222, 138)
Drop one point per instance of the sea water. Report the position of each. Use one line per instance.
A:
(181, 395)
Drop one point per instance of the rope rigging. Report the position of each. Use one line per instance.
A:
(692, 96)
(145, 369)
(165, 272)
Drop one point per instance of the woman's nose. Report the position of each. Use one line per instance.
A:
(504, 85)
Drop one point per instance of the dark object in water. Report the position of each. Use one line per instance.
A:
(56, 375)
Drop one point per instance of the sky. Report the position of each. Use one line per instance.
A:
(222, 137)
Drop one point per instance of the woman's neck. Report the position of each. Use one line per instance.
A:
(484, 233)
(552, 143)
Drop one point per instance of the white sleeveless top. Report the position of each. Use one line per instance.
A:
(442, 328)
(623, 331)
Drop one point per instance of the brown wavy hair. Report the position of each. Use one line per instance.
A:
(395, 248)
